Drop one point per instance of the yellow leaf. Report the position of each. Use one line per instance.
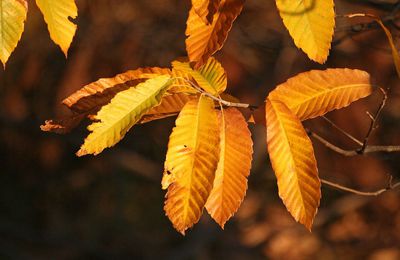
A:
(170, 105)
(125, 110)
(206, 39)
(292, 157)
(57, 14)
(97, 94)
(12, 18)
(314, 93)
(191, 161)
(311, 24)
(211, 76)
(230, 184)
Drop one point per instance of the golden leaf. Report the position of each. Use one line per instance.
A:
(314, 93)
(311, 24)
(57, 15)
(292, 158)
(211, 77)
(93, 96)
(191, 161)
(206, 39)
(124, 110)
(12, 19)
(230, 184)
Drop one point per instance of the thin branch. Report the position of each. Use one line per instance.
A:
(348, 153)
(374, 119)
(342, 131)
(390, 186)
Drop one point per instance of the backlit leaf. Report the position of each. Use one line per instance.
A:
(57, 14)
(211, 76)
(311, 24)
(230, 184)
(314, 93)
(125, 110)
(206, 39)
(191, 161)
(12, 19)
(292, 158)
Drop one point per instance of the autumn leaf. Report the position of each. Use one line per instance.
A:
(211, 77)
(12, 19)
(314, 93)
(57, 15)
(230, 184)
(311, 24)
(125, 110)
(206, 39)
(206, 9)
(62, 125)
(93, 96)
(292, 157)
(191, 161)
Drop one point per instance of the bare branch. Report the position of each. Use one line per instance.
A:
(342, 131)
(390, 186)
(374, 120)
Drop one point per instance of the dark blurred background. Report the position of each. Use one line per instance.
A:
(54, 205)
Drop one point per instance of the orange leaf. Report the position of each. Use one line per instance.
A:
(292, 157)
(314, 93)
(204, 40)
(191, 161)
(206, 9)
(230, 184)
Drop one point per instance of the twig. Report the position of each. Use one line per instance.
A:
(342, 131)
(390, 186)
(374, 120)
(348, 153)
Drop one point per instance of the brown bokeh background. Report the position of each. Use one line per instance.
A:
(54, 205)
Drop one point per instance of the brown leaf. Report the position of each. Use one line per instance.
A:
(92, 97)
(204, 40)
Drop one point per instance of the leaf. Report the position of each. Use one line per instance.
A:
(311, 24)
(125, 110)
(230, 184)
(191, 161)
(170, 105)
(204, 40)
(12, 19)
(63, 125)
(206, 9)
(292, 157)
(314, 93)
(97, 94)
(211, 76)
(57, 15)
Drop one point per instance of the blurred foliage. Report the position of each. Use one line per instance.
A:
(56, 206)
